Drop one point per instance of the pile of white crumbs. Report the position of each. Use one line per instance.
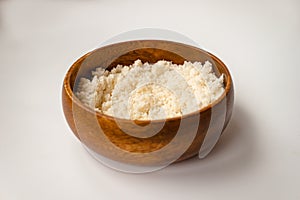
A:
(151, 91)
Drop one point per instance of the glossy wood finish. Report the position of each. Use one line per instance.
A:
(116, 138)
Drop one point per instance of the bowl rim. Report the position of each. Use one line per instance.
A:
(74, 99)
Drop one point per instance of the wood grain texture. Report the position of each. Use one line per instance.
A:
(117, 138)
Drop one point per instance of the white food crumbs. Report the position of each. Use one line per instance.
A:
(151, 91)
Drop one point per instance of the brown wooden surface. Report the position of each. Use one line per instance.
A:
(99, 132)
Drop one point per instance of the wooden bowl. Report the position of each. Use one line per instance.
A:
(178, 138)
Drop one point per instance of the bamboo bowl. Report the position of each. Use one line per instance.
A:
(177, 138)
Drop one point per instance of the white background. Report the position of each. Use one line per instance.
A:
(258, 157)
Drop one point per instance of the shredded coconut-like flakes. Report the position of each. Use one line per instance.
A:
(151, 91)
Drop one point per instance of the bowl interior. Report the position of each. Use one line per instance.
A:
(150, 51)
